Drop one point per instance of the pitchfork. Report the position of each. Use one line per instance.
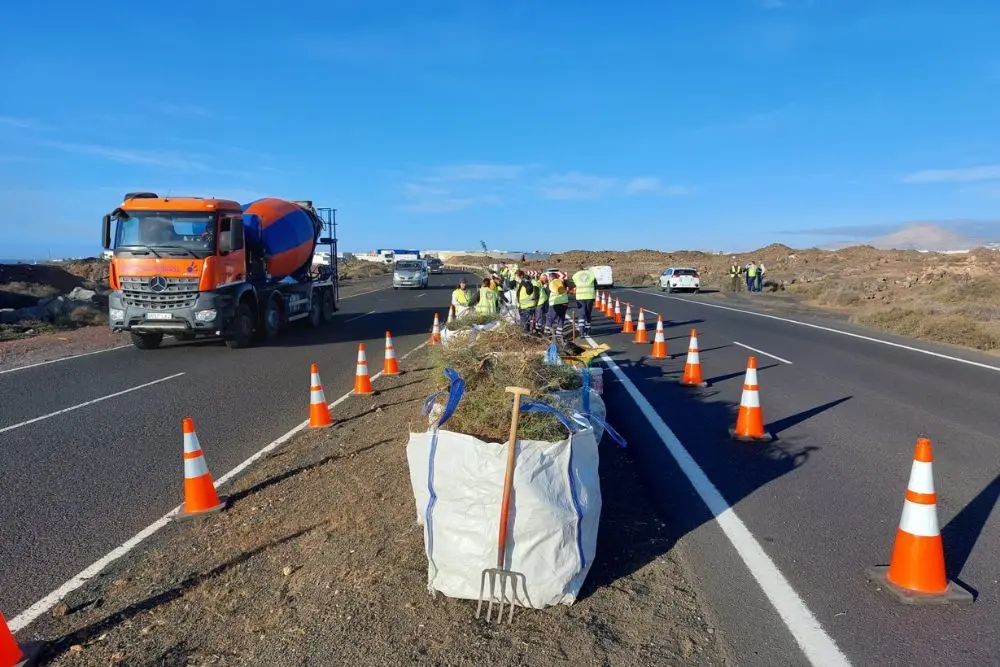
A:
(498, 575)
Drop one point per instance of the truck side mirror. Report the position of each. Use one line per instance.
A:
(230, 235)
(106, 231)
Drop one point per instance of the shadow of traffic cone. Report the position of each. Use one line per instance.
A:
(391, 365)
(628, 328)
(916, 572)
(750, 419)
(618, 311)
(640, 330)
(659, 341)
(200, 496)
(436, 331)
(13, 654)
(362, 381)
(319, 411)
(451, 314)
(692, 367)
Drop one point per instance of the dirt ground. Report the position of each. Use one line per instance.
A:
(948, 298)
(319, 561)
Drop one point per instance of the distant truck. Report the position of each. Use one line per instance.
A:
(190, 267)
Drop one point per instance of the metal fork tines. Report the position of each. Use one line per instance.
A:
(503, 579)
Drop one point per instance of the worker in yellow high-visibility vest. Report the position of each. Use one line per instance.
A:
(461, 298)
(558, 305)
(542, 287)
(585, 283)
(489, 299)
(526, 298)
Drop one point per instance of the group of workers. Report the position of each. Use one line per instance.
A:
(541, 299)
(752, 274)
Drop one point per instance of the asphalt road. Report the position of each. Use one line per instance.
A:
(824, 499)
(79, 483)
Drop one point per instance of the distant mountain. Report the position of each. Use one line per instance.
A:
(923, 236)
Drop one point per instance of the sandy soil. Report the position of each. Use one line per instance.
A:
(319, 561)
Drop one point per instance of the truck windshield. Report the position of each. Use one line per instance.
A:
(165, 229)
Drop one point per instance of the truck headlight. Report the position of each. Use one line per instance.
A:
(204, 315)
(116, 314)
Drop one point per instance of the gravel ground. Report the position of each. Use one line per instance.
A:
(318, 560)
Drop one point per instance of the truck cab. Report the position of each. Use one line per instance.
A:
(184, 267)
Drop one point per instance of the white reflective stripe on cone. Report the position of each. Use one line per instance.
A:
(191, 443)
(921, 477)
(751, 376)
(196, 467)
(314, 379)
(750, 399)
(694, 357)
(920, 520)
(316, 396)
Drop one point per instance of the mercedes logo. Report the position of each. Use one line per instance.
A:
(157, 283)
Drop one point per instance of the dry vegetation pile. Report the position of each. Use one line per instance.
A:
(498, 358)
(950, 298)
(357, 269)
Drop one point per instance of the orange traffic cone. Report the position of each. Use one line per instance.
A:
(659, 341)
(692, 367)
(606, 306)
(362, 382)
(618, 311)
(200, 496)
(319, 411)
(451, 314)
(916, 573)
(750, 420)
(10, 652)
(436, 331)
(640, 332)
(628, 328)
(391, 364)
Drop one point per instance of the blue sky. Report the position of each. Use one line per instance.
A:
(530, 125)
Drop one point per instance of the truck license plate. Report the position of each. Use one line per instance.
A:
(159, 316)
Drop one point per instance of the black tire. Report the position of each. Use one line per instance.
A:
(271, 323)
(327, 309)
(696, 290)
(146, 341)
(241, 329)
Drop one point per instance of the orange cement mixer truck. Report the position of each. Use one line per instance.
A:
(191, 267)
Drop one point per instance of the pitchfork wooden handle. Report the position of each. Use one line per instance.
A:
(508, 480)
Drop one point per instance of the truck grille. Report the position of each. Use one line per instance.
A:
(179, 293)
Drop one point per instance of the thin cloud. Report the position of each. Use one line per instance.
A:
(165, 159)
(649, 185)
(21, 123)
(478, 172)
(451, 204)
(577, 185)
(964, 175)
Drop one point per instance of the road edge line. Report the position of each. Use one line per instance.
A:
(72, 356)
(818, 647)
(871, 339)
(31, 614)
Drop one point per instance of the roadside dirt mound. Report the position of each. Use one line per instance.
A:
(319, 560)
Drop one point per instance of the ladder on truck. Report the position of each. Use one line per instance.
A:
(328, 216)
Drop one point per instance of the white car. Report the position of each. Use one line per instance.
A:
(410, 273)
(680, 278)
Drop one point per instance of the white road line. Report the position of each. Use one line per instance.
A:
(766, 354)
(422, 294)
(819, 647)
(371, 291)
(73, 356)
(83, 405)
(831, 330)
(26, 617)
(358, 317)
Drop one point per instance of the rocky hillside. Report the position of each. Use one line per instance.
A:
(41, 297)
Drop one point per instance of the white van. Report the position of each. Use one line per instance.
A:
(603, 275)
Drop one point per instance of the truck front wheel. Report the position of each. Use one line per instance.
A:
(272, 320)
(241, 328)
(146, 341)
(327, 305)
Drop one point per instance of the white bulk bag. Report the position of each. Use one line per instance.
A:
(555, 509)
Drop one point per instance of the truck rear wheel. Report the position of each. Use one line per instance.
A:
(316, 309)
(272, 320)
(146, 341)
(327, 301)
(241, 328)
